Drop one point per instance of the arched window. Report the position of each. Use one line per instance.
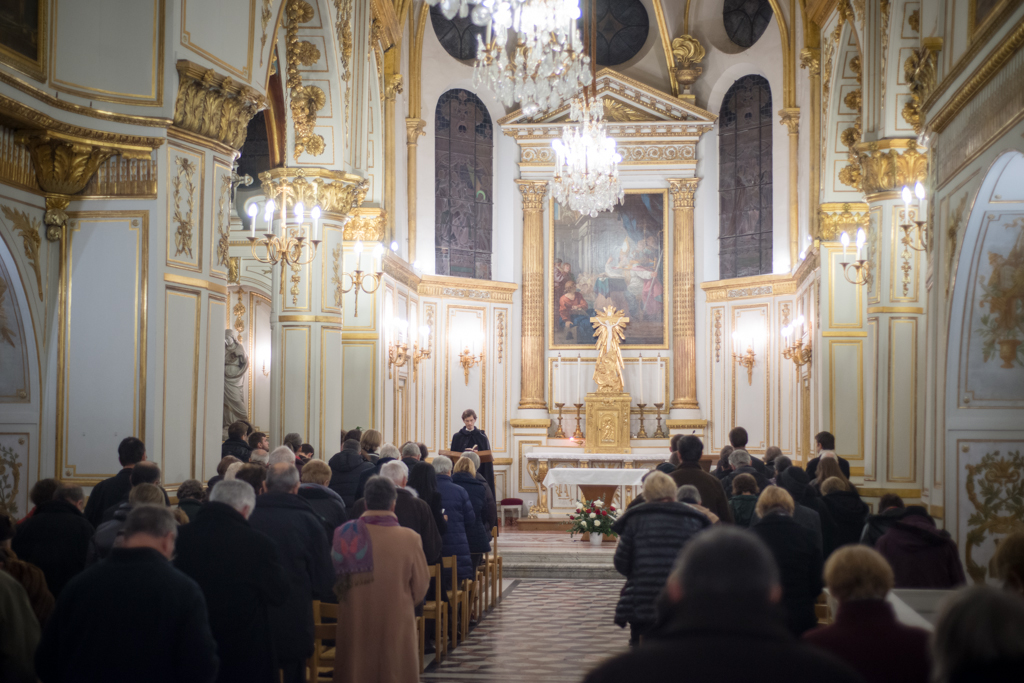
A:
(745, 179)
(463, 175)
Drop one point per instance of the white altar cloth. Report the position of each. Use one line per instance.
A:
(583, 476)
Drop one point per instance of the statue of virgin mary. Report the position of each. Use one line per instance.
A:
(236, 363)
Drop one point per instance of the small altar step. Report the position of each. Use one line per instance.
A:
(535, 555)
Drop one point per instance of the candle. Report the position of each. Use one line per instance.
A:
(268, 215)
(579, 373)
(315, 214)
(284, 218)
(860, 241)
(253, 210)
(845, 239)
(641, 365)
(906, 202)
(359, 254)
(560, 390)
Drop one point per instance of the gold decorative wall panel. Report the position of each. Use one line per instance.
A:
(186, 183)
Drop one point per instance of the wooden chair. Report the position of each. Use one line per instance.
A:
(323, 656)
(823, 610)
(458, 600)
(496, 569)
(421, 631)
(436, 612)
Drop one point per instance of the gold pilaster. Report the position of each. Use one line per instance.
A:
(684, 340)
(392, 88)
(532, 370)
(413, 130)
(791, 118)
(810, 59)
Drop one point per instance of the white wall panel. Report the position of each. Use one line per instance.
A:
(330, 392)
(295, 350)
(213, 405)
(182, 308)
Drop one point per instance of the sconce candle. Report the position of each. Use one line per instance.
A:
(641, 366)
(579, 373)
(253, 210)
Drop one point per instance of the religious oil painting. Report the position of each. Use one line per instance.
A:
(980, 12)
(617, 258)
(23, 36)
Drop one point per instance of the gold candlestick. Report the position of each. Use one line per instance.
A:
(559, 434)
(578, 434)
(659, 434)
(642, 433)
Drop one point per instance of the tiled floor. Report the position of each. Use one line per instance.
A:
(544, 631)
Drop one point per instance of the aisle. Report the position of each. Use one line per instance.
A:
(544, 631)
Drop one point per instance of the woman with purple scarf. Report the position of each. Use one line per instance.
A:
(381, 576)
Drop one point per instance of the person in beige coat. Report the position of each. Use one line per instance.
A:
(381, 576)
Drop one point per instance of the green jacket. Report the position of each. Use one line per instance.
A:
(743, 508)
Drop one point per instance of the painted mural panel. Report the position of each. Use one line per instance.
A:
(614, 259)
(990, 500)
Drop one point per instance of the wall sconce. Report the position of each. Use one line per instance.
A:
(745, 359)
(398, 352)
(861, 267)
(358, 280)
(418, 353)
(796, 352)
(919, 227)
(266, 373)
(467, 357)
(289, 245)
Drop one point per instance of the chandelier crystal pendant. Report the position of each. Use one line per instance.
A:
(586, 163)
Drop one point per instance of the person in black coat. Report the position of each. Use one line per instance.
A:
(846, 508)
(56, 538)
(796, 554)
(890, 509)
(237, 444)
(825, 443)
(112, 491)
(132, 617)
(347, 467)
(719, 622)
(650, 538)
(305, 554)
(738, 440)
(806, 499)
(463, 534)
(741, 464)
(388, 453)
(325, 501)
(142, 473)
(464, 475)
(423, 480)
(105, 538)
(469, 438)
(241, 576)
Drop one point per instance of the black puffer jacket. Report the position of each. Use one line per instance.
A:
(849, 513)
(237, 448)
(477, 491)
(650, 538)
(877, 525)
(798, 484)
(346, 469)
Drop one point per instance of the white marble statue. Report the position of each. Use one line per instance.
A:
(236, 362)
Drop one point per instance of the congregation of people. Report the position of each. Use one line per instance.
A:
(222, 586)
(725, 570)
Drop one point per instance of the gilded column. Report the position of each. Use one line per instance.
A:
(391, 91)
(791, 117)
(413, 130)
(684, 342)
(532, 368)
(810, 59)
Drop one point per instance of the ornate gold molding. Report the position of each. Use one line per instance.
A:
(28, 228)
(265, 16)
(810, 59)
(749, 287)
(186, 169)
(533, 192)
(466, 288)
(343, 32)
(390, 31)
(393, 87)
(687, 52)
(367, 224)
(834, 218)
(305, 100)
(214, 106)
(885, 169)
(336, 192)
(920, 72)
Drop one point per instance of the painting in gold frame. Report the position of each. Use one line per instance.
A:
(23, 34)
(617, 258)
(981, 12)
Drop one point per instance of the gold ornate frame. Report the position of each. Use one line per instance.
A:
(550, 280)
(36, 68)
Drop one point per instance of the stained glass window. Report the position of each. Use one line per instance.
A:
(745, 179)
(463, 176)
(622, 28)
(746, 20)
(456, 35)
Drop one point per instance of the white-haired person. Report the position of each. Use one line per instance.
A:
(240, 573)
(412, 513)
(650, 537)
(388, 453)
(382, 576)
(464, 531)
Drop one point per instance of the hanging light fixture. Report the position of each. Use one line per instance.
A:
(586, 163)
(548, 64)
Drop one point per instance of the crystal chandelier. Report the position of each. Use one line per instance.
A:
(586, 163)
(548, 65)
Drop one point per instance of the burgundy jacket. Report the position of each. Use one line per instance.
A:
(867, 636)
(921, 555)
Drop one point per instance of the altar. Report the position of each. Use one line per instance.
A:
(559, 471)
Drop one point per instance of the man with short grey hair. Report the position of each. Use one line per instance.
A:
(410, 453)
(281, 454)
(381, 494)
(721, 598)
(412, 512)
(305, 553)
(741, 464)
(158, 614)
(241, 576)
(442, 465)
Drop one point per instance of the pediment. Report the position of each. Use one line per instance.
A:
(631, 109)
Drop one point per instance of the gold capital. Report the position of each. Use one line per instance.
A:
(888, 165)
(682, 191)
(533, 192)
(414, 129)
(214, 106)
(810, 59)
(790, 117)
(393, 87)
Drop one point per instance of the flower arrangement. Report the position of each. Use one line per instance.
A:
(592, 517)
